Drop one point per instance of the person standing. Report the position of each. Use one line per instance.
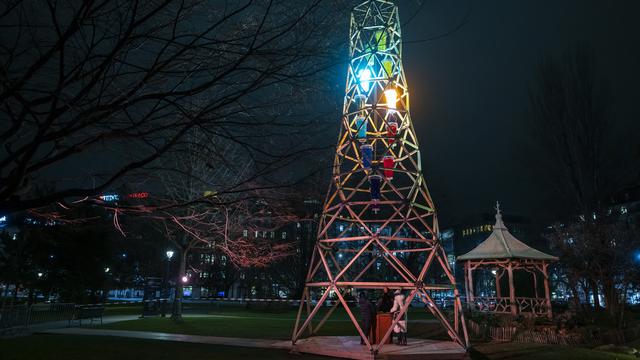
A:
(401, 326)
(367, 313)
(385, 303)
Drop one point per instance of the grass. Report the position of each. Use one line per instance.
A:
(261, 324)
(72, 347)
(219, 308)
(122, 309)
(513, 351)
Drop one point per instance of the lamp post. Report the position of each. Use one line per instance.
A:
(169, 254)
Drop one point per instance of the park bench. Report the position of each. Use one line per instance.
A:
(91, 313)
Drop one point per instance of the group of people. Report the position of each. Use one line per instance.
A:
(386, 304)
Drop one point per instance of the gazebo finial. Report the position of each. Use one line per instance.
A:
(499, 224)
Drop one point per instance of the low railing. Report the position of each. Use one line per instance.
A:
(502, 305)
(550, 336)
(39, 313)
(16, 318)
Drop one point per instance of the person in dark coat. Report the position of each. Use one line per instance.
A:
(385, 303)
(367, 313)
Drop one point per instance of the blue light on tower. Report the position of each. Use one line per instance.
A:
(364, 76)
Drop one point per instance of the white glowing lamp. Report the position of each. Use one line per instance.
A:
(392, 98)
(185, 279)
(364, 76)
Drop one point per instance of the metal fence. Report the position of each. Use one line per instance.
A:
(14, 316)
(17, 318)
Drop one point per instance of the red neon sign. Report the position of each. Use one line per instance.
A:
(139, 195)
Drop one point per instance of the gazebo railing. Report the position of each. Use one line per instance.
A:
(535, 306)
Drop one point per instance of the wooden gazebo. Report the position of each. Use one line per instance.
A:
(501, 252)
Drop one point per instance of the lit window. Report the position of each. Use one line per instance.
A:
(245, 233)
(284, 234)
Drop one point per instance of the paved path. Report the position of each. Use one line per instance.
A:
(214, 340)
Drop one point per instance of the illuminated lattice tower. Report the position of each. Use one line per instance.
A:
(378, 227)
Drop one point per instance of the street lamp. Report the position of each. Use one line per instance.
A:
(169, 254)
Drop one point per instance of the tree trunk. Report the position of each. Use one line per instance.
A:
(594, 290)
(611, 298)
(576, 295)
(177, 301)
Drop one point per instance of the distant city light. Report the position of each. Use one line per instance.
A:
(39, 274)
(169, 254)
(107, 269)
(110, 197)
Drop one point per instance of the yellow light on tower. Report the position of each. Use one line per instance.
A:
(392, 98)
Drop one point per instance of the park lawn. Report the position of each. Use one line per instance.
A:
(235, 309)
(122, 309)
(513, 351)
(76, 347)
(255, 324)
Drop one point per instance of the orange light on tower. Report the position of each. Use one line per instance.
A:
(392, 98)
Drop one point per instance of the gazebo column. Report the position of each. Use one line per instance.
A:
(471, 296)
(512, 290)
(547, 293)
(466, 284)
(535, 283)
(498, 290)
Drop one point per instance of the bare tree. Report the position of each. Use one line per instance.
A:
(570, 107)
(221, 224)
(95, 93)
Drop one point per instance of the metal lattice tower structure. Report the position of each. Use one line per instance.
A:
(379, 226)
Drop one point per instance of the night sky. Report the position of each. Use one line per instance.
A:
(469, 92)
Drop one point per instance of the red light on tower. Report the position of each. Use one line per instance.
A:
(392, 131)
(388, 163)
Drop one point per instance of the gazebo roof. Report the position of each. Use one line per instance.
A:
(502, 245)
